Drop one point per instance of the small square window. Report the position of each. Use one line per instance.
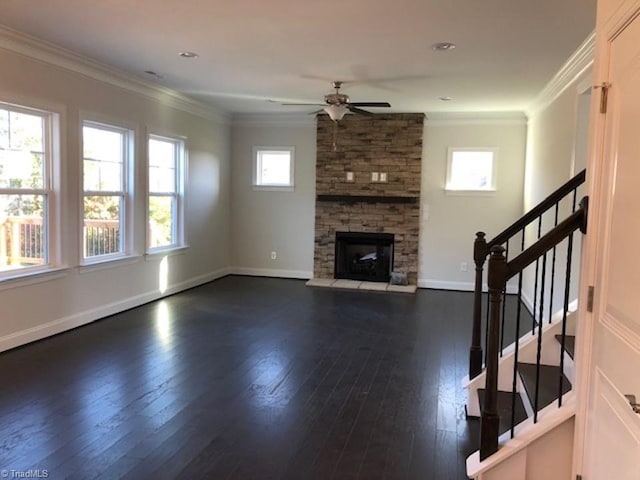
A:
(471, 170)
(273, 168)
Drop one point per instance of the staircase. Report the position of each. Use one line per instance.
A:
(523, 392)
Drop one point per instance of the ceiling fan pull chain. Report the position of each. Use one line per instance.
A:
(335, 136)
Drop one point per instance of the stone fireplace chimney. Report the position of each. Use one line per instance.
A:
(369, 184)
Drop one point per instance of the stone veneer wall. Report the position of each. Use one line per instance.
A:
(390, 143)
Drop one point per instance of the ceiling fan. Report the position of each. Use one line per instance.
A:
(337, 104)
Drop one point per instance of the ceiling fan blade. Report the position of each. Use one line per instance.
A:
(370, 104)
(304, 104)
(359, 110)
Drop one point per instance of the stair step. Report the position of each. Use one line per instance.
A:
(549, 383)
(569, 343)
(504, 409)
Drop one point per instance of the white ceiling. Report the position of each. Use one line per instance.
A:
(285, 50)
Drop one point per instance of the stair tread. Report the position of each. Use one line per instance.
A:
(504, 409)
(549, 383)
(569, 343)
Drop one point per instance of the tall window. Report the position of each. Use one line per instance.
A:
(25, 187)
(106, 154)
(471, 169)
(166, 177)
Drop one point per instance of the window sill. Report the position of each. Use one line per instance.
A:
(272, 188)
(470, 193)
(24, 279)
(157, 254)
(103, 264)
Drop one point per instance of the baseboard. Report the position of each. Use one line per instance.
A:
(271, 272)
(459, 286)
(60, 325)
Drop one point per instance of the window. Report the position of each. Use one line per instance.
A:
(273, 168)
(166, 180)
(471, 169)
(26, 188)
(106, 152)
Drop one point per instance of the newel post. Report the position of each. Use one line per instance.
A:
(489, 426)
(475, 352)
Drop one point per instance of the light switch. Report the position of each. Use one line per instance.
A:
(374, 176)
(349, 176)
(383, 176)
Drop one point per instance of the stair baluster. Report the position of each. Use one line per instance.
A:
(563, 341)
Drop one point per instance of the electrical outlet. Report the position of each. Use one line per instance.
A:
(425, 213)
(383, 176)
(464, 267)
(274, 255)
(374, 176)
(349, 176)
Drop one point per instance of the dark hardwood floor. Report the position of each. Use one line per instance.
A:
(248, 378)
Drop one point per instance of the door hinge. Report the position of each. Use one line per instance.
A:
(590, 299)
(604, 95)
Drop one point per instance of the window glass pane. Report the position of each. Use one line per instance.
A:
(21, 169)
(162, 166)
(471, 170)
(161, 220)
(4, 128)
(162, 180)
(274, 168)
(23, 233)
(103, 159)
(26, 132)
(102, 225)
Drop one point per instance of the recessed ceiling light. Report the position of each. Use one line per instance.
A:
(443, 46)
(154, 74)
(188, 55)
(446, 99)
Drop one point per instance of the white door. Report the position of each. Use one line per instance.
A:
(612, 440)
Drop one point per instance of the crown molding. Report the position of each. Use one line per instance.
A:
(35, 48)
(578, 63)
(273, 120)
(447, 119)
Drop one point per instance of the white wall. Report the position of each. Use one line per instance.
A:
(38, 306)
(557, 142)
(449, 222)
(266, 221)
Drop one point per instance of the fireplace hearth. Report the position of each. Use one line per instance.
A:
(364, 256)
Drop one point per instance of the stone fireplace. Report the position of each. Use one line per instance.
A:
(370, 184)
(364, 256)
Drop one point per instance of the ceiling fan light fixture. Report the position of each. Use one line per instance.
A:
(336, 112)
(443, 46)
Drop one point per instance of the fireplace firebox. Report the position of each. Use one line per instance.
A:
(364, 256)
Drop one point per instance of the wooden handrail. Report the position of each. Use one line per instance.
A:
(578, 220)
(482, 247)
(538, 210)
(500, 271)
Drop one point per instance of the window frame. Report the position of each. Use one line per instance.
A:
(127, 189)
(52, 117)
(181, 162)
(491, 188)
(256, 162)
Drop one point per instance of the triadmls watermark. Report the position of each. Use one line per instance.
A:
(33, 473)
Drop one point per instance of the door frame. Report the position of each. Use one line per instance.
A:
(607, 30)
